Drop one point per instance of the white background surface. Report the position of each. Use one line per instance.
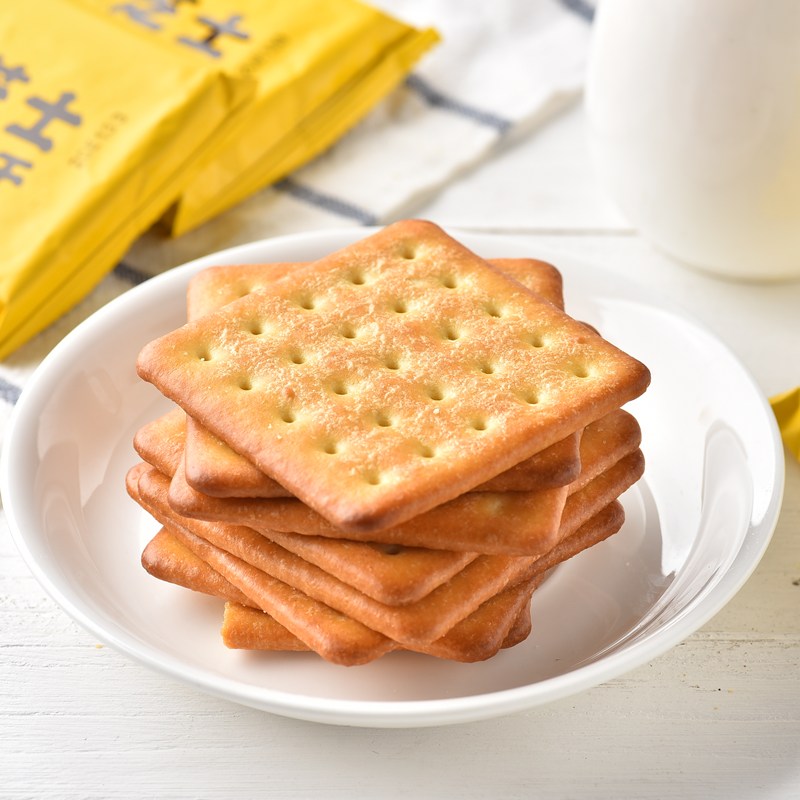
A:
(718, 716)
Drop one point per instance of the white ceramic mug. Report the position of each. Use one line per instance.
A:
(694, 117)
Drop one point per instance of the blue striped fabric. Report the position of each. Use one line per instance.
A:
(433, 97)
(325, 201)
(440, 100)
(9, 392)
(581, 8)
(130, 274)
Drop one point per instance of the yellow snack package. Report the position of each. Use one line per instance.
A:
(319, 66)
(99, 131)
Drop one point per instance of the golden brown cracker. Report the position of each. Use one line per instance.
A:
(409, 575)
(557, 465)
(518, 523)
(492, 526)
(501, 622)
(161, 441)
(596, 529)
(415, 623)
(247, 628)
(167, 559)
(391, 574)
(395, 574)
(536, 275)
(215, 287)
(422, 621)
(583, 504)
(492, 626)
(331, 641)
(604, 443)
(132, 479)
(523, 624)
(212, 468)
(334, 636)
(391, 376)
(258, 584)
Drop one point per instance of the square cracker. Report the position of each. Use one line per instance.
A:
(391, 376)
(341, 638)
(501, 622)
(215, 287)
(335, 636)
(211, 467)
(422, 621)
(397, 575)
(514, 523)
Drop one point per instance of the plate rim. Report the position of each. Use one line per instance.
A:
(372, 713)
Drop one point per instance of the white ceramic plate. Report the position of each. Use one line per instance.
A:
(696, 525)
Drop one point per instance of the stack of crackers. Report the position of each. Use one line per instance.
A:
(385, 449)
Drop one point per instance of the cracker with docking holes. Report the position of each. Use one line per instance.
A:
(415, 623)
(421, 621)
(514, 523)
(223, 473)
(397, 574)
(391, 376)
(215, 287)
(213, 468)
(161, 443)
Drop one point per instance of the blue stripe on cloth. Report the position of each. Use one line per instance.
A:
(580, 7)
(130, 274)
(9, 392)
(325, 201)
(439, 100)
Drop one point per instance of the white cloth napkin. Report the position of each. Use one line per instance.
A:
(502, 69)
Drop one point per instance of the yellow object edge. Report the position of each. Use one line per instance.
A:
(786, 408)
(315, 133)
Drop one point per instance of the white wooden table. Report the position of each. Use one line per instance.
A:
(717, 717)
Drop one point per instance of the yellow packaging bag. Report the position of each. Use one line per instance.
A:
(319, 66)
(98, 133)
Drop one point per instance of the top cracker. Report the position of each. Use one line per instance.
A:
(390, 376)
